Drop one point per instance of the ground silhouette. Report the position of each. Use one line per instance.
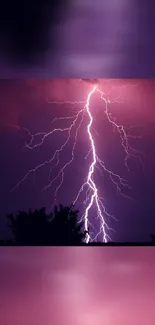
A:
(60, 227)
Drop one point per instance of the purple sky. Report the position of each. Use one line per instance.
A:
(103, 39)
(114, 286)
(24, 104)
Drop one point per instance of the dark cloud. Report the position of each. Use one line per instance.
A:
(27, 28)
(91, 81)
(78, 38)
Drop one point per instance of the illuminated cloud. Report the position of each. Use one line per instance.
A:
(75, 285)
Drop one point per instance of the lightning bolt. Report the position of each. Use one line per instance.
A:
(92, 196)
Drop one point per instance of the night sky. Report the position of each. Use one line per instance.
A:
(77, 38)
(25, 104)
(112, 286)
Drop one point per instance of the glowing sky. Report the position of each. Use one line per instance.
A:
(25, 103)
(81, 286)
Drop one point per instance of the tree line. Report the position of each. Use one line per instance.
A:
(61, 227)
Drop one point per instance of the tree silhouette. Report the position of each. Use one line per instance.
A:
(153, 239)
(60, 227)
